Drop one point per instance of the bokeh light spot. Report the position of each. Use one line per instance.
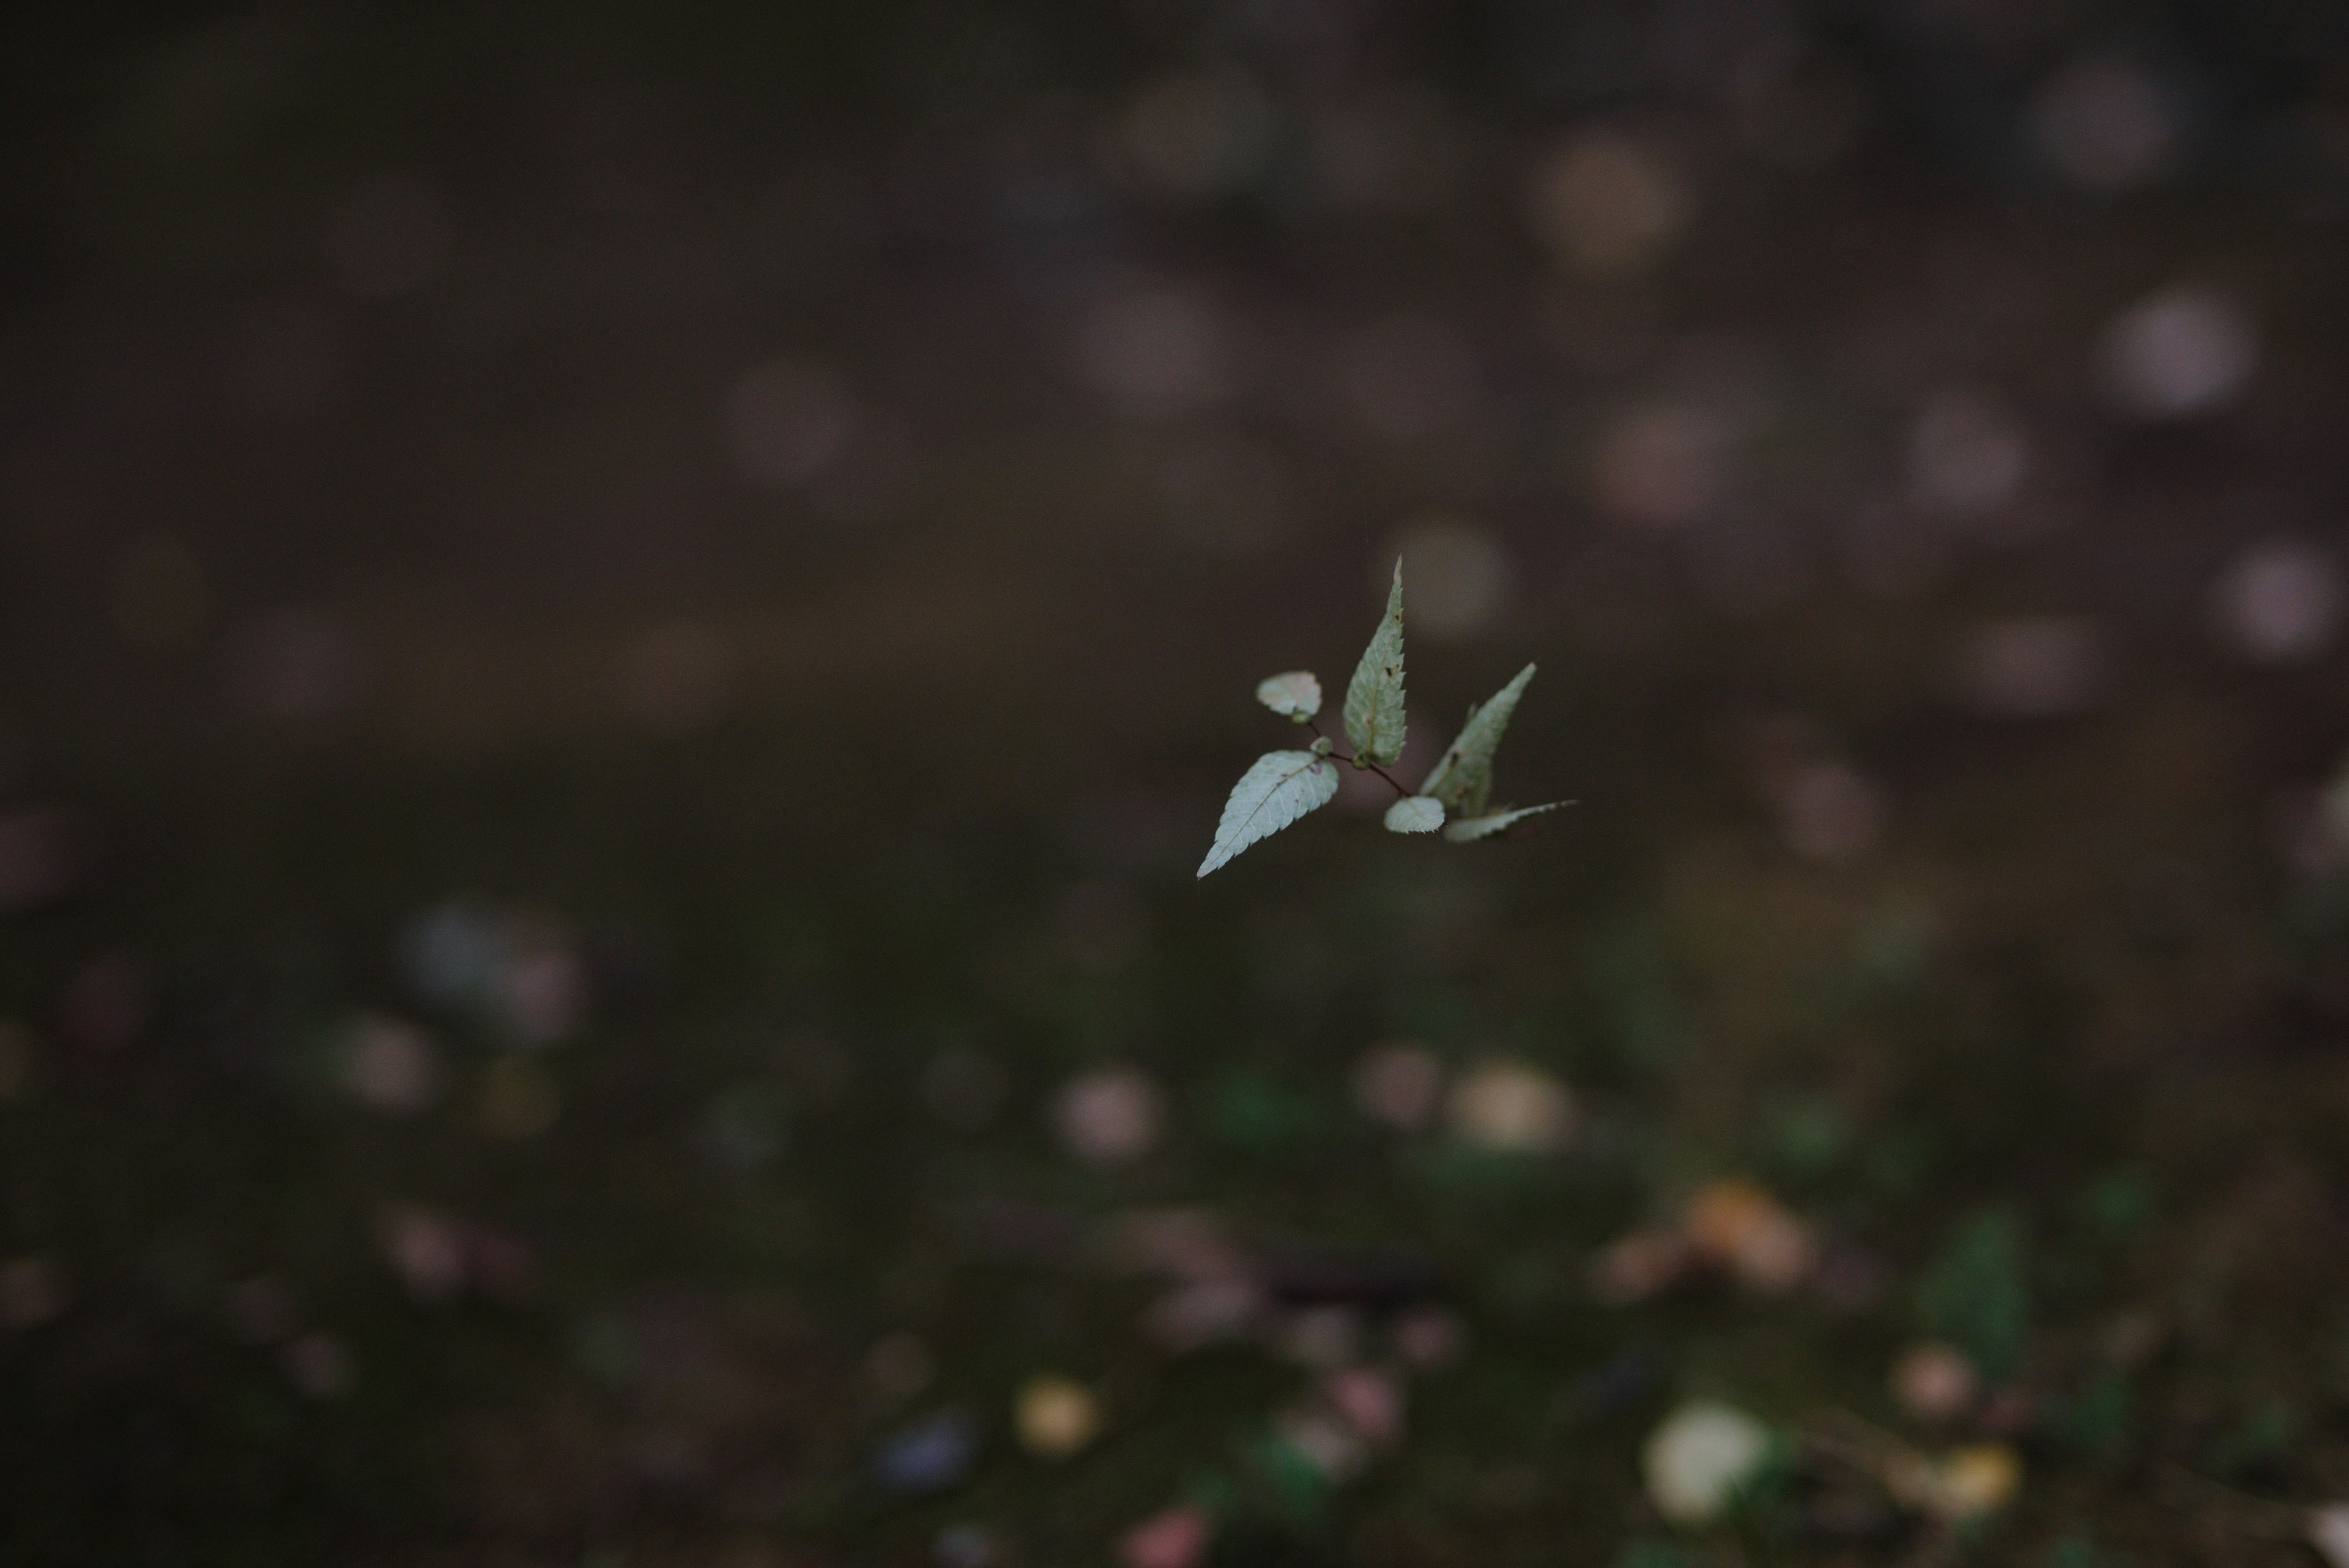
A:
(2186, 351)
(1607, 205)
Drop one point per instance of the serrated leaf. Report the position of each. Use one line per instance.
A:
(1463, 780)
(1469, 829)
(1278, 789)
(1414, 813)
(1374, 721)
(1297, 694)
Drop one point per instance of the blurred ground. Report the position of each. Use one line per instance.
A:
(624, 627)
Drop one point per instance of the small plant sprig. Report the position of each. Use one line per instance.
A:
(1284, 786)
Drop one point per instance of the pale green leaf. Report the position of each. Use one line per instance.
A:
(1414, 813)
(1469, 829)
(1281, 787)
(1463, 780)
(1297, 694)
(1375, 697)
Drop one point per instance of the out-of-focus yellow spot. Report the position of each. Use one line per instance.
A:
(1963, 1484)
(1055, 1416)
(1512, 1107)
(1980, 1480)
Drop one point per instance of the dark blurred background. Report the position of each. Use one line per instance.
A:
(623, 626)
